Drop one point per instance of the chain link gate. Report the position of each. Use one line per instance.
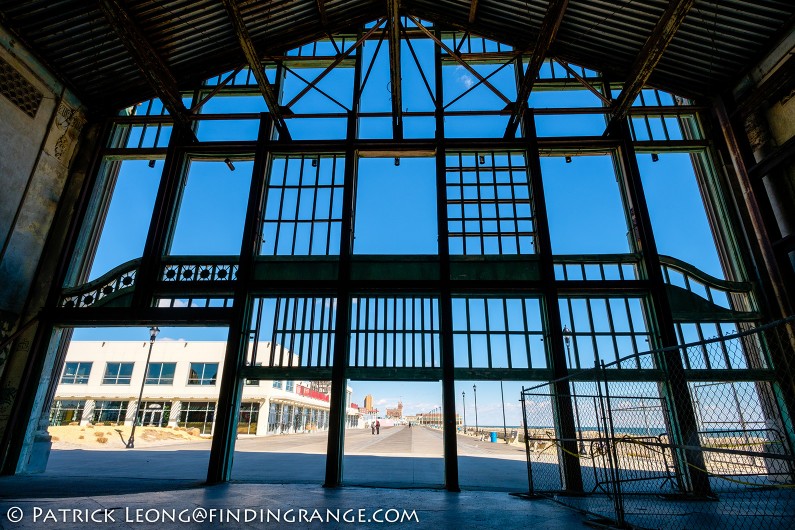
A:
(637, 465)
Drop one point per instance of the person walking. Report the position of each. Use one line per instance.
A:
(372, 428)
(377, 427)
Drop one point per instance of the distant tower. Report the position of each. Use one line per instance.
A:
(368, 402)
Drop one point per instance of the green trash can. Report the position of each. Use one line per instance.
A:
(494, 437)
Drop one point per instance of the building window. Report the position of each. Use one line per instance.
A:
(274, 418)
(202, 373)
(197, 415)
(154, 413)
(277, 384)
(110, 412)
(248, 418)
(118, 374)
(290, 387)
(66, 412)
(161, 374)
(76, 374)
(288, 413)
(299, 419)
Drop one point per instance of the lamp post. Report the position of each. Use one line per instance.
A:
(504, 426)
(464, 402)
(475, 391)
(153, 331)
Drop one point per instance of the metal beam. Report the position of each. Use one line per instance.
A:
(255, 64)
(571, 472)
(546, 34)
(456, 57)
(394, 68)
(230, 393)
(338, 402)
(650, 55)
(220, 86)
(473, 11)
(683, 429)
(151, 65)
(321, 9)
(446, 338)
(583, 81)
(339, 59)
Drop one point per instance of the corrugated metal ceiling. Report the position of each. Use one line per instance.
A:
(719, 40)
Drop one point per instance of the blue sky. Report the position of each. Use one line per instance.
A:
(396, 205)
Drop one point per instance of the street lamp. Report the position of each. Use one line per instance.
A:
(504, 426)
(475, 391)
(153, 331)
(464, 401)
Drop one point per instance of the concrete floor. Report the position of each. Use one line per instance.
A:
(417, 508)
(399, 470)
(405, 464)
(398, 457)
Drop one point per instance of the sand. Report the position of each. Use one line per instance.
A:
(104, 437)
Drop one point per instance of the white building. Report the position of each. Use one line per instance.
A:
(100, 382)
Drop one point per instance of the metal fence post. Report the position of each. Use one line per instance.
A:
(530, 485)
(618, 498)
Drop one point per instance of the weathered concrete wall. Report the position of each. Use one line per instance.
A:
(20, 142)
(781, 117)
(35, 215)
(37, 143)
(40, 128)
(765, 101)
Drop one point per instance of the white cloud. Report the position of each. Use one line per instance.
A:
(464, 78)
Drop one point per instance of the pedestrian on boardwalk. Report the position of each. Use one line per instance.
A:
(377, 427)
(372, 427)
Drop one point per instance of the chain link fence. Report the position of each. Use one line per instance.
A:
(646, 442)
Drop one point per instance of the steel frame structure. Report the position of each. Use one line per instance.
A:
(129, 294)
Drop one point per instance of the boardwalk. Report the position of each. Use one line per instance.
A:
(399, 456)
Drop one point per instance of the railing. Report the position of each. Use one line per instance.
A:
(694, 295)
(199, 269)
(714, 290)
(101, 290)
(122, 279)
(597, 267)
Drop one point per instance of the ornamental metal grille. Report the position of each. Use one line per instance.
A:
(18, 91)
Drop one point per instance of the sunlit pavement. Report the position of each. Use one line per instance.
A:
(283, 473)
(398, 457)
(399, 471)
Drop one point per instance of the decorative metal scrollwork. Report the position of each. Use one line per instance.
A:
(93, 293)
(192, 272)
